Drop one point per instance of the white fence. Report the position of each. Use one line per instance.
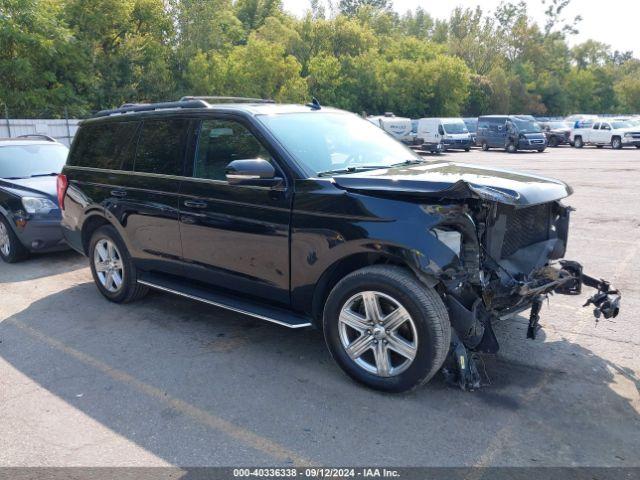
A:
(62, 130)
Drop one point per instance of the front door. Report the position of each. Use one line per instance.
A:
(234, 237)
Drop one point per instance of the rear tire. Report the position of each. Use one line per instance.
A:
(11, 250)
(421, 328)
(485, 146)
(112, 268)
(578, 143)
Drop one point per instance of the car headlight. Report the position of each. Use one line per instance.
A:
(38, 205)
(451, 238)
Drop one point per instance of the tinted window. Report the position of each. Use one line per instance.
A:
(221, 142)
(161, 146)
(596, 126)
(103, 146)
(20, 161)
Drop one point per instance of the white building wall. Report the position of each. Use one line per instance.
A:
(61, 130)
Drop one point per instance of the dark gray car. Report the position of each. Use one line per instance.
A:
(29, 213)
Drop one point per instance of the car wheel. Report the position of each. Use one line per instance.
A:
(485, 147)
(467, 149)
(511, 148)
(11, 250)
(541, 150)
(112, 268)
(385, 329)
(578, 143)
(616, 143)
(637, 146)
(553, 142)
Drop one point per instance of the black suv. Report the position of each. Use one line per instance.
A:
(29, 213)
(310, 216)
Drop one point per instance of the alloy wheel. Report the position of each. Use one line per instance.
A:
(378, 333)
(5, 241)
(108, 265)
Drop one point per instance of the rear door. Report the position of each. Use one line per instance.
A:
(147, 198)
(234, 237)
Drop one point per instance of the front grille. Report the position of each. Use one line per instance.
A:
(525, 227)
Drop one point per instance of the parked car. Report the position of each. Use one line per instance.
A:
(557, 133)
(29, 213)
(472, 126)
(511, 132)
(305, 215)
(603, 132)
(452, 133)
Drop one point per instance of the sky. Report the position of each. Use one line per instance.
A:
(615, 22)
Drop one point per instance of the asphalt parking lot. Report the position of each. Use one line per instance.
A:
(167, 381)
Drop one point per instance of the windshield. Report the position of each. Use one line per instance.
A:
(617, 125)
(23, 161)
(453, 128)
(526, 126)
(326, 141)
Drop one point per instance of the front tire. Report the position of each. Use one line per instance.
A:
(385, 329)
(11, 250)
(113, 270)
(485, 146)
(511, 148)
(578, 143)
(616, 143)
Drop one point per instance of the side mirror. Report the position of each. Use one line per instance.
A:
(256, 172)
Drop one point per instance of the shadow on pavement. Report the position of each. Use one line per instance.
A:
(148, 370)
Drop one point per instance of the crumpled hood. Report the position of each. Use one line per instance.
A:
(450, 180)
(36, 185)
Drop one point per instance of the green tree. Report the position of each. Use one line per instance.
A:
(351, 7)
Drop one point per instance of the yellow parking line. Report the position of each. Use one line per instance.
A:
(236, 432)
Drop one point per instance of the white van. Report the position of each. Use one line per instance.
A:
(398, 127)
(452, 133)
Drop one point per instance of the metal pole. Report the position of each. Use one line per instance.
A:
(66, 117)
(6, 116)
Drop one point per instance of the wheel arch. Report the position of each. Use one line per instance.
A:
(349, 264)
(93, 222)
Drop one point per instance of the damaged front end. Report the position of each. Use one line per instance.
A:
(511, 260)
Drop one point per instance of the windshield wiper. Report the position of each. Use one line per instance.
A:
(359, 168)
(44, 175)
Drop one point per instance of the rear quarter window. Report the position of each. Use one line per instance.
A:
(105, 146)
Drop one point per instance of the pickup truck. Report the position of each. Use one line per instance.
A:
(616, 133)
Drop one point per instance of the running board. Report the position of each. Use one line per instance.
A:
(202, 294)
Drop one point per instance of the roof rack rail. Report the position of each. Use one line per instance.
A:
(150, 107)
(215, 99)
(37, 135)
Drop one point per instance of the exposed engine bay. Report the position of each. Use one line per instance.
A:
(511, 261)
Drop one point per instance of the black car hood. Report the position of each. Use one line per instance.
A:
(25, 186)
(449, 180)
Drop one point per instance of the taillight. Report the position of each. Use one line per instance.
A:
(62, 185)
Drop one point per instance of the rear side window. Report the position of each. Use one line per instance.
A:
(103, 146)
(161, 147)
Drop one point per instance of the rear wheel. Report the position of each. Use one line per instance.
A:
(385, 329)
(616, 143)
(468, 149)
(485, 146)
(578, 143)
(113, 270)
(11, 250)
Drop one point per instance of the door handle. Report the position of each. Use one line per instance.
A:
(195, 204)
(118, 193)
